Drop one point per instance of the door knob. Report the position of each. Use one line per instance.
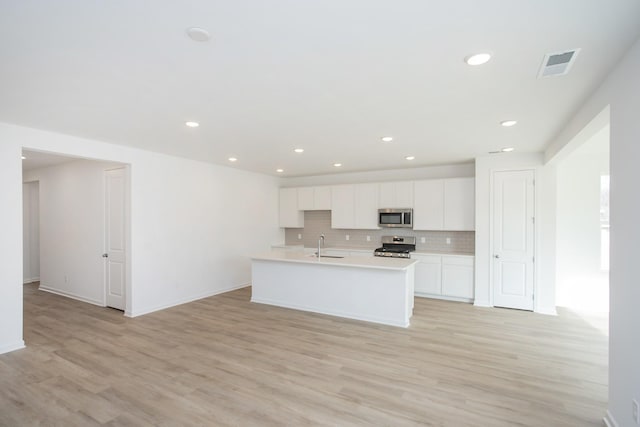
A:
(105, 255)
(496, 256)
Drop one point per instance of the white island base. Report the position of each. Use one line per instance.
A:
(375, 290)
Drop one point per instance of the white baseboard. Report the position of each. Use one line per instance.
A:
(136, 313)
(551, 311)
(443, 297)
(31, 280)
(609, 421)
(12, 347)
(71, 295)
(478, 303)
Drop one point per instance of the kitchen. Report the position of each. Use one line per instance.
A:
(432, 222)
(272, 78)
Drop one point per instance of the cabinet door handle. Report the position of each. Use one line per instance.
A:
(105, 255)
(496, 256)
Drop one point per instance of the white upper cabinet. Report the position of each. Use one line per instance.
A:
(396, 194)
(438, 204)
(343, 204)
(354, 206)
(289, 215)
(459, 204)
(366, 209)
(444, 204)
(305, 198)
(314, 198)
(428, 205)
(322, 198)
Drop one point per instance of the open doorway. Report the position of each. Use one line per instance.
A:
(582, 281)
(79, 210)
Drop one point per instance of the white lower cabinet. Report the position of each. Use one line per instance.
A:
(457, 277)
(444, 277)
(428, 277)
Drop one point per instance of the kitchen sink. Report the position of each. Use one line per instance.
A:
(325, 256)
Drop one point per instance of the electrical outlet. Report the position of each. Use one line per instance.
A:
(368, 238)
(448, 240)
(346, 237)
(299, 236)
(635, 411)
(423, 240)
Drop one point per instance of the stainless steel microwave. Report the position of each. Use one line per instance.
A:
(400, 218)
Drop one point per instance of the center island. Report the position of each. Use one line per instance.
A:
(373, 289)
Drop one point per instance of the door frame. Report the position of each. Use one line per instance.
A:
(536, 232)
(127, 235)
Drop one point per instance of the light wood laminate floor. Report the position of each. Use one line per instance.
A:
(225, 361)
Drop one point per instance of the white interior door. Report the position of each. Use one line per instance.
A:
(513, 239)
(115, 237)
(31, 231)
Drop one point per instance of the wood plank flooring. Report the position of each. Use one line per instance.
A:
(225, 361)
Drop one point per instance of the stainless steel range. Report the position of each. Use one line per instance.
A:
(396, 246)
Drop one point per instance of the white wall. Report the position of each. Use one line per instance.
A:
(10, 246)
(545, 226)
(72, 228)
(580, 281)
(30, 232)
(193, 224)
(427, 172)
(621, 93)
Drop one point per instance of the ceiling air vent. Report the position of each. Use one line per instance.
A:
(558, 64)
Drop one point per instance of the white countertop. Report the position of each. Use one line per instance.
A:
(348, 261)
(367, 250)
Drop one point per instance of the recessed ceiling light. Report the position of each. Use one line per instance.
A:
(387, 138)
(410, 157)
(478, 59)
(299, 150)
(508, 123)
(233, 159)
(337, 165)
(279, 170)
(24, 158)
(507, 149)
(198, 34)
(192, 124)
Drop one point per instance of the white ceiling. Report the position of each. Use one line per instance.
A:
(329, 76)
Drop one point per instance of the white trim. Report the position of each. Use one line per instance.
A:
(551, 311)
(31, 280)
(443, 297)
(478, 303)
(389, 322)
(184, 301)
(609, 421)
(71, 295)
(12, 347)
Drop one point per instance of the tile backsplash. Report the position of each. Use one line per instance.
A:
(319, 222)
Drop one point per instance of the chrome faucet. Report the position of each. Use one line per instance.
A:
(320, 240)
